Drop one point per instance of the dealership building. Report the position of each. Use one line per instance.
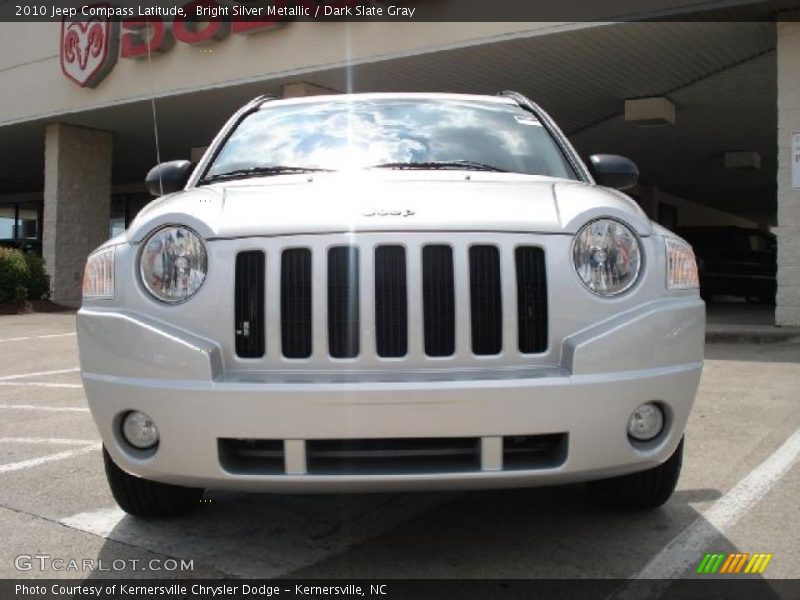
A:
(710, 111)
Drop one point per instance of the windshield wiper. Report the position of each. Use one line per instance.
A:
(461, 165)
(259, 172)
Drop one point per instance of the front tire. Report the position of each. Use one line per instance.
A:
(145, 498)
(643, 490)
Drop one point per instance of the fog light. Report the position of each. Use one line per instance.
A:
(646, 422)
(139, 430)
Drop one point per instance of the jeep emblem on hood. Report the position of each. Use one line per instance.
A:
(391, 212)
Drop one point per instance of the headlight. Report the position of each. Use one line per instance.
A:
(607, 257)
(681, 266)
(173, 263)
(98, 276)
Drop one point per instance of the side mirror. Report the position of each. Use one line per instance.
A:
(171, 176)
(614, 171)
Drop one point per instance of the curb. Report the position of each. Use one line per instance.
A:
(731, 334)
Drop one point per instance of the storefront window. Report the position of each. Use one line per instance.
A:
(7, 222)
(20, 226)
(28, 222)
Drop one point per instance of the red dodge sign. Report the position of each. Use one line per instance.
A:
(89, 49)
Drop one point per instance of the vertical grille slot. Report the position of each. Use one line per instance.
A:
(343, 306)
(296, 303)
(391, 302)
(485, 300)
(249, 304)
(531, 299)
(438, 299)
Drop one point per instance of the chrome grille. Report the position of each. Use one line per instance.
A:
(486, 314)
(438, 300)
(249, 304)
(343, 301)
(391, 302)
(367, 301)
(531, 300)
(296, 303)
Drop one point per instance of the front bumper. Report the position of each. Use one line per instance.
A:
(653, 353)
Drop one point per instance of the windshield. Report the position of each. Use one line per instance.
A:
(351, 134)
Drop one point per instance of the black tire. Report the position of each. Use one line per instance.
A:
(145, 498)
(643, 490)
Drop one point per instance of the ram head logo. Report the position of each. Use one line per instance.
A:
(89, 49)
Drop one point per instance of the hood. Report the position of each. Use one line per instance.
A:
(394, 201)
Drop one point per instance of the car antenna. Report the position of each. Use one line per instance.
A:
(153, 109)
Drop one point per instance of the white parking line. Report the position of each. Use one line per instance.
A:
(100, 522)
(38, 374)
(35, 462)
(37, 337)
(683, 551)
(44, 408)
(55, 441)
(43, 384)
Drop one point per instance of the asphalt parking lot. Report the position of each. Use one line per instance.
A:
(738, 493)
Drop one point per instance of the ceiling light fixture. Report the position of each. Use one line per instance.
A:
(650, 112)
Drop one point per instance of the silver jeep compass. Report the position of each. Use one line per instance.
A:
(391, 292)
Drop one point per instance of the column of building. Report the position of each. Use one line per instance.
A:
(77, 198)
(787, 310)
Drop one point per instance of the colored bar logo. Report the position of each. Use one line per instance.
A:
(733, 563)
